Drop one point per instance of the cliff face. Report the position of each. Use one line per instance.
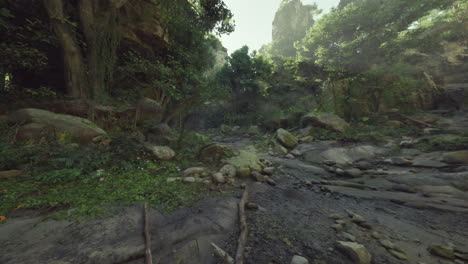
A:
(290, 25)
(141, 27)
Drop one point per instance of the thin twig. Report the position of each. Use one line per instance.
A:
(222, 254)
(243, 227)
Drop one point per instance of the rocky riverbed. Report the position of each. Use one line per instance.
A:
(322, 202)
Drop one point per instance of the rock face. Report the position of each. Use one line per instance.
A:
(457, 157)
(161, 152)
(290, 25)
(286, 138)
(357, 252)
(327, 121)
(245, 163)
(40, 122)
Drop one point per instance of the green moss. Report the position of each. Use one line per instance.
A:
(445, 142)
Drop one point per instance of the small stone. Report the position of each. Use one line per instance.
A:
(228, 170)
(218, 178)
(308, 183)
(329, 162)
(387, 243)
(258, 177)
(195, 171)
(363, 165)
(189, 179)
(339, 171)
(442, 251)
(358, 219)
(340, 222)
(378, 235)
(299, 260)
(336, 216)
(251, 206)
(172, 179)
(353, 172)
(357, 252)
(269, 170)
(349, 237)
(271, 182)
(289, 156)
(338, 227)
(457, 261)
(296, 153)
(398, 254)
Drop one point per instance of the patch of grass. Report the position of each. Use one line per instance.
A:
(86, 178)
(87, 193)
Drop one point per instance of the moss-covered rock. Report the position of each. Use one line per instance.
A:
(457, 157)
(38, 123)
(286, 138)
(245, 162)
(215, 152)
(277, 147)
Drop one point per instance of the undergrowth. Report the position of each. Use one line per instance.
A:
(59, 175)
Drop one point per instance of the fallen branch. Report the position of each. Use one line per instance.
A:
(416, 121)
(222, 254)
(148, 255)
(243, 227)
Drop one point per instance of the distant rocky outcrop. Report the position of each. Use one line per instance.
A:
(292, 20)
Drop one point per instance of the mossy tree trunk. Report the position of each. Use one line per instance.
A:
(87, 72)
(76, 81)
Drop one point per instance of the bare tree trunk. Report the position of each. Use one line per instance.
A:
(74, 67)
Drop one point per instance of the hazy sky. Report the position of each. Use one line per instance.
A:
(253, 21)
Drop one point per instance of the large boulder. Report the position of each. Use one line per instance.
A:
(159, 133)
(160, 152)
(457, 157)
(285, 138)
(37, 123)
(245, 163)
(215, 152)
(327, 121)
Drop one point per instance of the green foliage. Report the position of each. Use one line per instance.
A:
(86, 178)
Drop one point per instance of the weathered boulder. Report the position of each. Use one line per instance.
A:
(215, 152)
(357, 252)
(457, 157)
(277, 147)
(253, 131)
(286, 138)
(161, 152)
(245, 163)
(228, 171)
(327, 121)
(45, 122)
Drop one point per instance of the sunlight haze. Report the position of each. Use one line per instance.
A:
(254, 21)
